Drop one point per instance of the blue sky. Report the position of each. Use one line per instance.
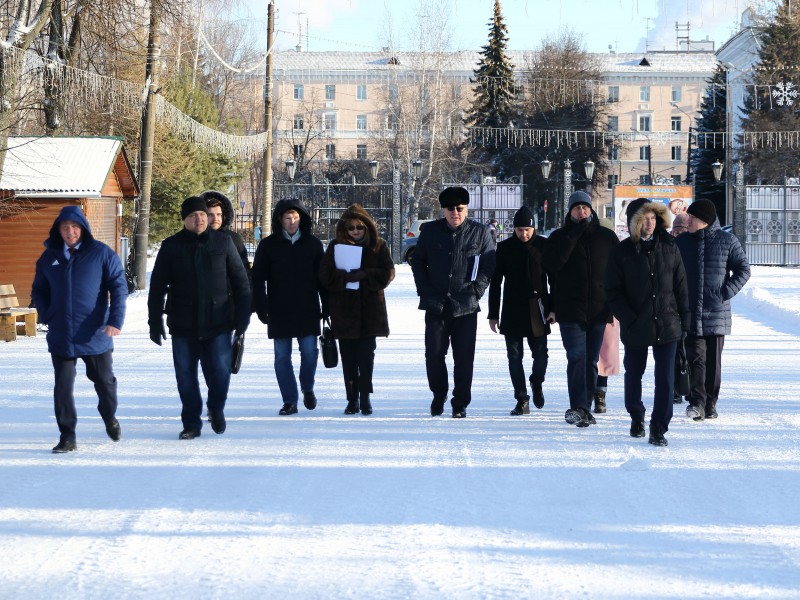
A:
(359, 25)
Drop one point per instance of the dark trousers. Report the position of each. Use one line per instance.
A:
(99, 370)
(440, 332)
(582, 344)
(704, 355)
(516, 352)
(635, 362)
(214, 356)
(358, 360)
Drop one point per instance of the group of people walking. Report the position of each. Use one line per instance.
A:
(662, 290)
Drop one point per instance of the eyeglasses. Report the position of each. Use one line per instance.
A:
(355, 228)
(458, 209)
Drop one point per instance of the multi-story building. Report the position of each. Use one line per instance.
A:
(358, 105)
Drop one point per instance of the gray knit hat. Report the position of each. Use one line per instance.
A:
(579, 197)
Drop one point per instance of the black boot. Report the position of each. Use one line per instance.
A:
(599, 402)
(352, 398)
(657, 437)
(366, 407)
(523, 406)
(538, 395)
(352, 407)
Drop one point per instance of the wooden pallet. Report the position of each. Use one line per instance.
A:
(13, 319)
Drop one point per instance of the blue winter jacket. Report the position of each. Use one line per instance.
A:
(716, 269)
(77, 298)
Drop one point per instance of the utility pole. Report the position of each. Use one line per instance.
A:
(266, 188)
(146, 147)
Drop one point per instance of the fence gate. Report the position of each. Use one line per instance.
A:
(773, 224)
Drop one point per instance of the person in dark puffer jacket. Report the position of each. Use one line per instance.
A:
(576, 257)
(207, 298)
(220, 218)
(716, 269)
(646, 289)
(453, 265)
(286, 297)
(358, 316)
(80, 291)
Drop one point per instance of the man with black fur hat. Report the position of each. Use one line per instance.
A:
(716, 269)
(646, 289)
(526, 307)
(207, 297)
(575, 258)
(452, 267)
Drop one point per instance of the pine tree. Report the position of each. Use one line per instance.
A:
(494, 104)
(767, 107)
(710, 148)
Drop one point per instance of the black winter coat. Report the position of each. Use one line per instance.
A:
(646, 289)
(443, 264)
(205, 285)
(526, 299)
(576, 257)
(286, 282)
(716, 269)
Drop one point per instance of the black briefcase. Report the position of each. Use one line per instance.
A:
(237, 350)
(681, 371)
(328, 347)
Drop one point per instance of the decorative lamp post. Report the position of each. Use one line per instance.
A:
(716, 169)
(417, 165)
(374, 167)
(567, 187)
(545, 166)
(290, 169)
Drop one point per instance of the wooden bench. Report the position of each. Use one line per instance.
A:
(13, 319)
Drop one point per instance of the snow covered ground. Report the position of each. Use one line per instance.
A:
(399, 504)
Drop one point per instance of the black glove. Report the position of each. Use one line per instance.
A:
(263, 316)
(357, 275)
(157, 332)
(683, 335)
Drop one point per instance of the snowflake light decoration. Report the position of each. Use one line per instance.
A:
(785, 94)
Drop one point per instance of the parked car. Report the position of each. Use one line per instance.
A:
(410, 241)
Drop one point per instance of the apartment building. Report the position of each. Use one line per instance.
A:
(350, 105)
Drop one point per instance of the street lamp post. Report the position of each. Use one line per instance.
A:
(567, 187)
(545, 166)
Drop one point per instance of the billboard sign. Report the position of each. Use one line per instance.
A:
(677, 198)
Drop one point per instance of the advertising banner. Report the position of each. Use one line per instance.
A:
(676, 197)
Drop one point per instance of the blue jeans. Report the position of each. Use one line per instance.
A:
(516, 352)
(635, 362)
(582, 343)
(214, 356)
(284, 370)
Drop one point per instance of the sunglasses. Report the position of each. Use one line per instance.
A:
(355, 228)
(459, 209)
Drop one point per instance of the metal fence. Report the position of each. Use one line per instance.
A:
(491, 200)
(773, 225)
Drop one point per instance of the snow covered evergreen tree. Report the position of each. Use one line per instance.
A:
(711, 148)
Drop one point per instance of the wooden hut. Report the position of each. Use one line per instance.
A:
(40, 176)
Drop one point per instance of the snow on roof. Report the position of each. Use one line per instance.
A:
(58, 166)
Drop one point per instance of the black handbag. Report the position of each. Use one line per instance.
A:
(328, 347)
(237, 349)
(681, 371)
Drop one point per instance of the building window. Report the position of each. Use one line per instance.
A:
(394, 94)
(297, 150)
(361, 152)
(456, 93)
(676, 180)
(361, 122)
(676, 123)
(613, 153)
(613, 123)
(644, 179)
(644, 122)
(330, 92)
(612, 181)
(330, 151)
(361, 92)
(676, 153)
(298, 122)
(644, 93)
(676, 93)
(644, 153)
(329, 121)
(392, 123)
(613, 93)
(298, 91)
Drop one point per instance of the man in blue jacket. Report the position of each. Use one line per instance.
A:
(80, 291)
(207, 298)
(453, 265)
(716, 269)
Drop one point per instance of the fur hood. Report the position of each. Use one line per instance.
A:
(356, 211)
(635, 221)
(286, 205)
(224, 203)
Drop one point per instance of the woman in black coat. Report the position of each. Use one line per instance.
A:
(358, 315)
(646, 289)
